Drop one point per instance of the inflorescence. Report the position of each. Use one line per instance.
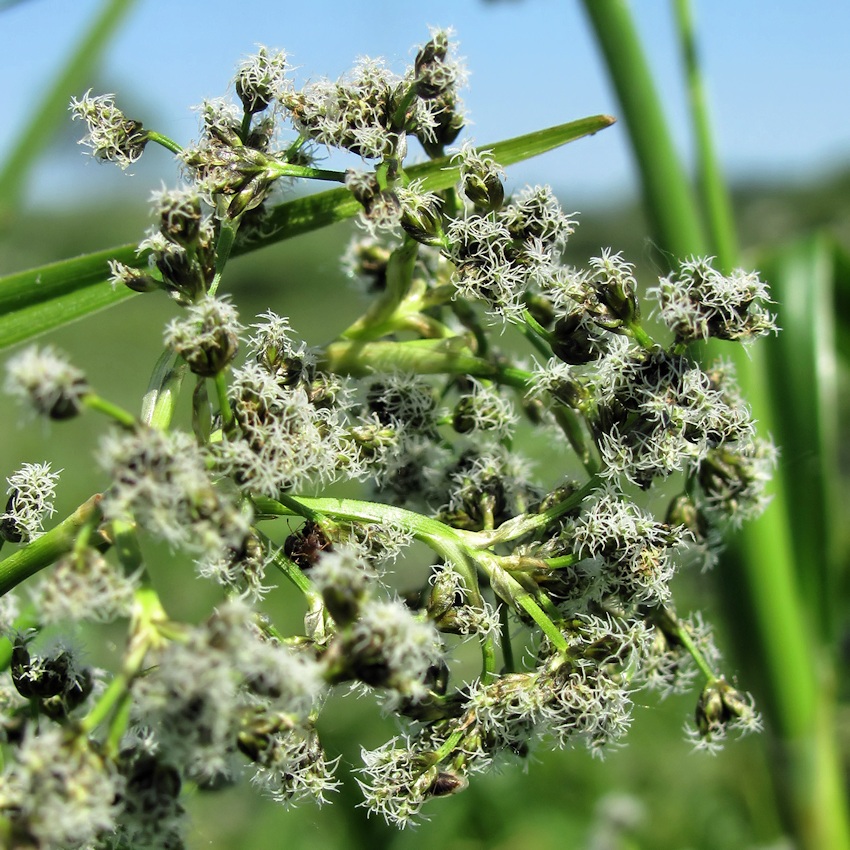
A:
(564, 584)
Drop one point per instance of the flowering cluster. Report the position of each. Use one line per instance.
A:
(415, 400)
(111, 136)
(30, 493)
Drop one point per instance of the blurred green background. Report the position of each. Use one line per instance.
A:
(653, 793)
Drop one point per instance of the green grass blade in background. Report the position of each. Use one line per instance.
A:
(52, 111)
(802, 370)
(842, 304)
(719, 217)
(41, 299)
(667, 194)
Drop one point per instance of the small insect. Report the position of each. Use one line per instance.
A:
(306, 545)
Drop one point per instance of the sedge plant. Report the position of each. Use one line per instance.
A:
(478, 338)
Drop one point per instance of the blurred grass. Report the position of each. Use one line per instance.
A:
(555, 801)
(51, 111)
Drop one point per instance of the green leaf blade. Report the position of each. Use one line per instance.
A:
(35, 301)
(305, 214)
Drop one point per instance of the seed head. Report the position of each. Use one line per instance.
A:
(47, 380)
(30, 492)
(111, 136)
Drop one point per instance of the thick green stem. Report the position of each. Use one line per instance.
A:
(507, 646)
(286, 169)
(164, 141)
(509, 590)
(148, 616)
(537, 335)
(561, 562)
(641, 337)
(488, 659)
(49, 547)
(400, 116)
(227, 421)
(420, 356)
(524, 524)
(571, 424)
(799, 682)
(423, 357)
(226, 239)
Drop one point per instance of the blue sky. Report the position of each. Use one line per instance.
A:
(778, 75)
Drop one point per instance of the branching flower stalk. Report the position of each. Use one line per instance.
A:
(418, 399)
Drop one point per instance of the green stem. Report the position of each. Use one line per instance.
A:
(287, 566)
(299, 508)
(507, 646)
(674, 624)
(561, 562)
(226, 238)
(421, 356)
(107, 700)
(127, 545)
(469, 319)
(245, 127)
(227, 421)
(168, 144)
(48, 548)
(442, 538)
(488, 659)
(399, 117)
(524, 524)
(641, 337)
(356, 510)
(537, 335)
(292, 151)
(287, 169)
(512, 377)
(513, 593)
(148, 615)
(537, 605)
(119, 725)
(571, 424)
(290, 569)
(447, 747)
(799, 686)
(121, 416)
